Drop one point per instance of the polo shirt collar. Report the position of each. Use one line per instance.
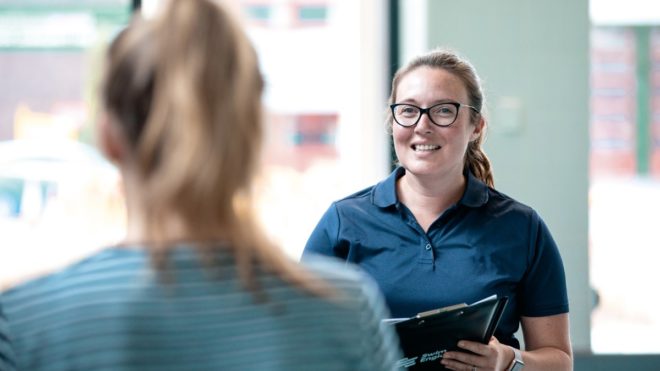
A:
(384, 195)
(476, 191)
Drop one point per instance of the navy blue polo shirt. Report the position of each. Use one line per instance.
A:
(485, 244)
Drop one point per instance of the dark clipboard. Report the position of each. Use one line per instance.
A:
(425, 337)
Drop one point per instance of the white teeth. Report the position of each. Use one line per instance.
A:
(426, 147)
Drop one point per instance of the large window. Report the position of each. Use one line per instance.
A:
(324, 63)
(625, 176)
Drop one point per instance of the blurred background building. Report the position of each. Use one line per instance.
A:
(573, 91)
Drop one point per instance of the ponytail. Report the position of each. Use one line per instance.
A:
(478, 163)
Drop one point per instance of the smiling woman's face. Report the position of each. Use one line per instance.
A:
(427, 149)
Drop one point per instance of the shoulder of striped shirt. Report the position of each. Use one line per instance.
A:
(334, 269)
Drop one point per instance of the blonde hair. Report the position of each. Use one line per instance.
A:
(475, 158)
(186, 90)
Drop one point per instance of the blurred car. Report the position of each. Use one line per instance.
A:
(32, 172)
(59, 200)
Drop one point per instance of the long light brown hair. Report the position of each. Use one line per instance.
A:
(475, 158)
(185, 89)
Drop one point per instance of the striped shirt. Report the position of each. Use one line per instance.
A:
(112, 312)
(6, 353)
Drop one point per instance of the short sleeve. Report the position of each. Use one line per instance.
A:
(543, 288)
(323, 240)
(6, 351)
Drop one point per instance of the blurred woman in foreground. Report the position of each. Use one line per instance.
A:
(196, 285)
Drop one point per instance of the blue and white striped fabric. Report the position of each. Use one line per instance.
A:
(6, 352)
(111, 312)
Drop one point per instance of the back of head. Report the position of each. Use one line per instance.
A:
(475, 159)
(186, 90)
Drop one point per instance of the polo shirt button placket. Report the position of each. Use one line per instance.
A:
(430, 256)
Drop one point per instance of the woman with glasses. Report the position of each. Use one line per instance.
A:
(196, 285)
(436, 232)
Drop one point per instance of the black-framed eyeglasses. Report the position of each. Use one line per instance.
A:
(441, 114)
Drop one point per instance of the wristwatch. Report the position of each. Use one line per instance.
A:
(517, 364)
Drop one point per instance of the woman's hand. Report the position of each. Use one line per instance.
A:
(547, 347)
(493, 356)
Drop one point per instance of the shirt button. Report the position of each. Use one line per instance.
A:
(428, 246)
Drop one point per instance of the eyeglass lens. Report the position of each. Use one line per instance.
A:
(441, 114)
